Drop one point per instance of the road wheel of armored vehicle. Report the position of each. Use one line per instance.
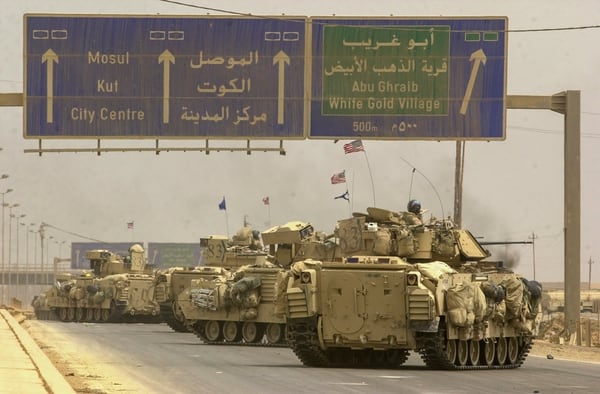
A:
(462, 354)
(489, 351)
(70, 314)
(104, 315)
(513, 350)
(474, 352)
(62, 314)
(274, 333)
(232, 331)
(89, 314)
(212, 331)
(501, 351)
(79, 314)
(451, 350)
(252, 332)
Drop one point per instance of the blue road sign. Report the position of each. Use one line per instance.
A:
(164, 77)
(430, 78)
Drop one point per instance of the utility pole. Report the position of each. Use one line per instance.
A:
(533, 237)
(590, 274)
(458, 182)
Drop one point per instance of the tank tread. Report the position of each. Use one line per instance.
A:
(45, 314)
(304, 341)
(167, 315)
(115, 315)
(432, 348)
(197, 328)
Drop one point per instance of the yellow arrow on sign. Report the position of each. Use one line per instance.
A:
(166, 58)
(49, 57)
(477, 57)
(281, 59)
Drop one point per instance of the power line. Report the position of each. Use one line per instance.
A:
(549, 131)
(584, 27)
(70, 233)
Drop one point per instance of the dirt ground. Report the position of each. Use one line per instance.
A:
(565, 352)
(548, 342)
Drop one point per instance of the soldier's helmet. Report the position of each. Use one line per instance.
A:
(414, 206)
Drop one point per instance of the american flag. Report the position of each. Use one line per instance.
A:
(266, 200)
(354, 146)
(130, 225)
(339, 178)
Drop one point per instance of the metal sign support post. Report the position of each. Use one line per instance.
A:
(569, 104)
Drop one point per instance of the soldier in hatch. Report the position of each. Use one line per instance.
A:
(414, 208)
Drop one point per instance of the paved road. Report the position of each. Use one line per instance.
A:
(160, 360)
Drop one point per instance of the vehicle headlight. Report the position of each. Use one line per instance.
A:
(412, 279)
(305, 277)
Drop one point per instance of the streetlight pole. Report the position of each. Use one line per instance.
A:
(34, 249)
(42, 233)
(48, 255)
(10, 216)
(60, 244)
(3, 266)
(18, 267)
(27, 255)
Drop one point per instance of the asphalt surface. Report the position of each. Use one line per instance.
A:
(151, 358)
(24, 368)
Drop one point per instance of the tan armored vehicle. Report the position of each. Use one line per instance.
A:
(239, 305)
(173, 281)
(220, 254)
(115, 289)
(404, 286)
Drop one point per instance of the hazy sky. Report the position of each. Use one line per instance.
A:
(512, 188)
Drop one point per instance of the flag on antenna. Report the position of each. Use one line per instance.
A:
(266, 200)
(340, 177)
(222, 205)
(345, 196)
(354, 146)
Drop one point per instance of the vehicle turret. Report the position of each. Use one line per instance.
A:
(383, 232)
(297, 240)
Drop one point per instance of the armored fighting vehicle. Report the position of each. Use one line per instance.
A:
(115, 289)
(239, 304)
(221, 254)
(404, 286)
(173, 281)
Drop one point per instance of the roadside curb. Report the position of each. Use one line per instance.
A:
(55, 382)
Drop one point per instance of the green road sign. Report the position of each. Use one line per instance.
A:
(395, 70)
